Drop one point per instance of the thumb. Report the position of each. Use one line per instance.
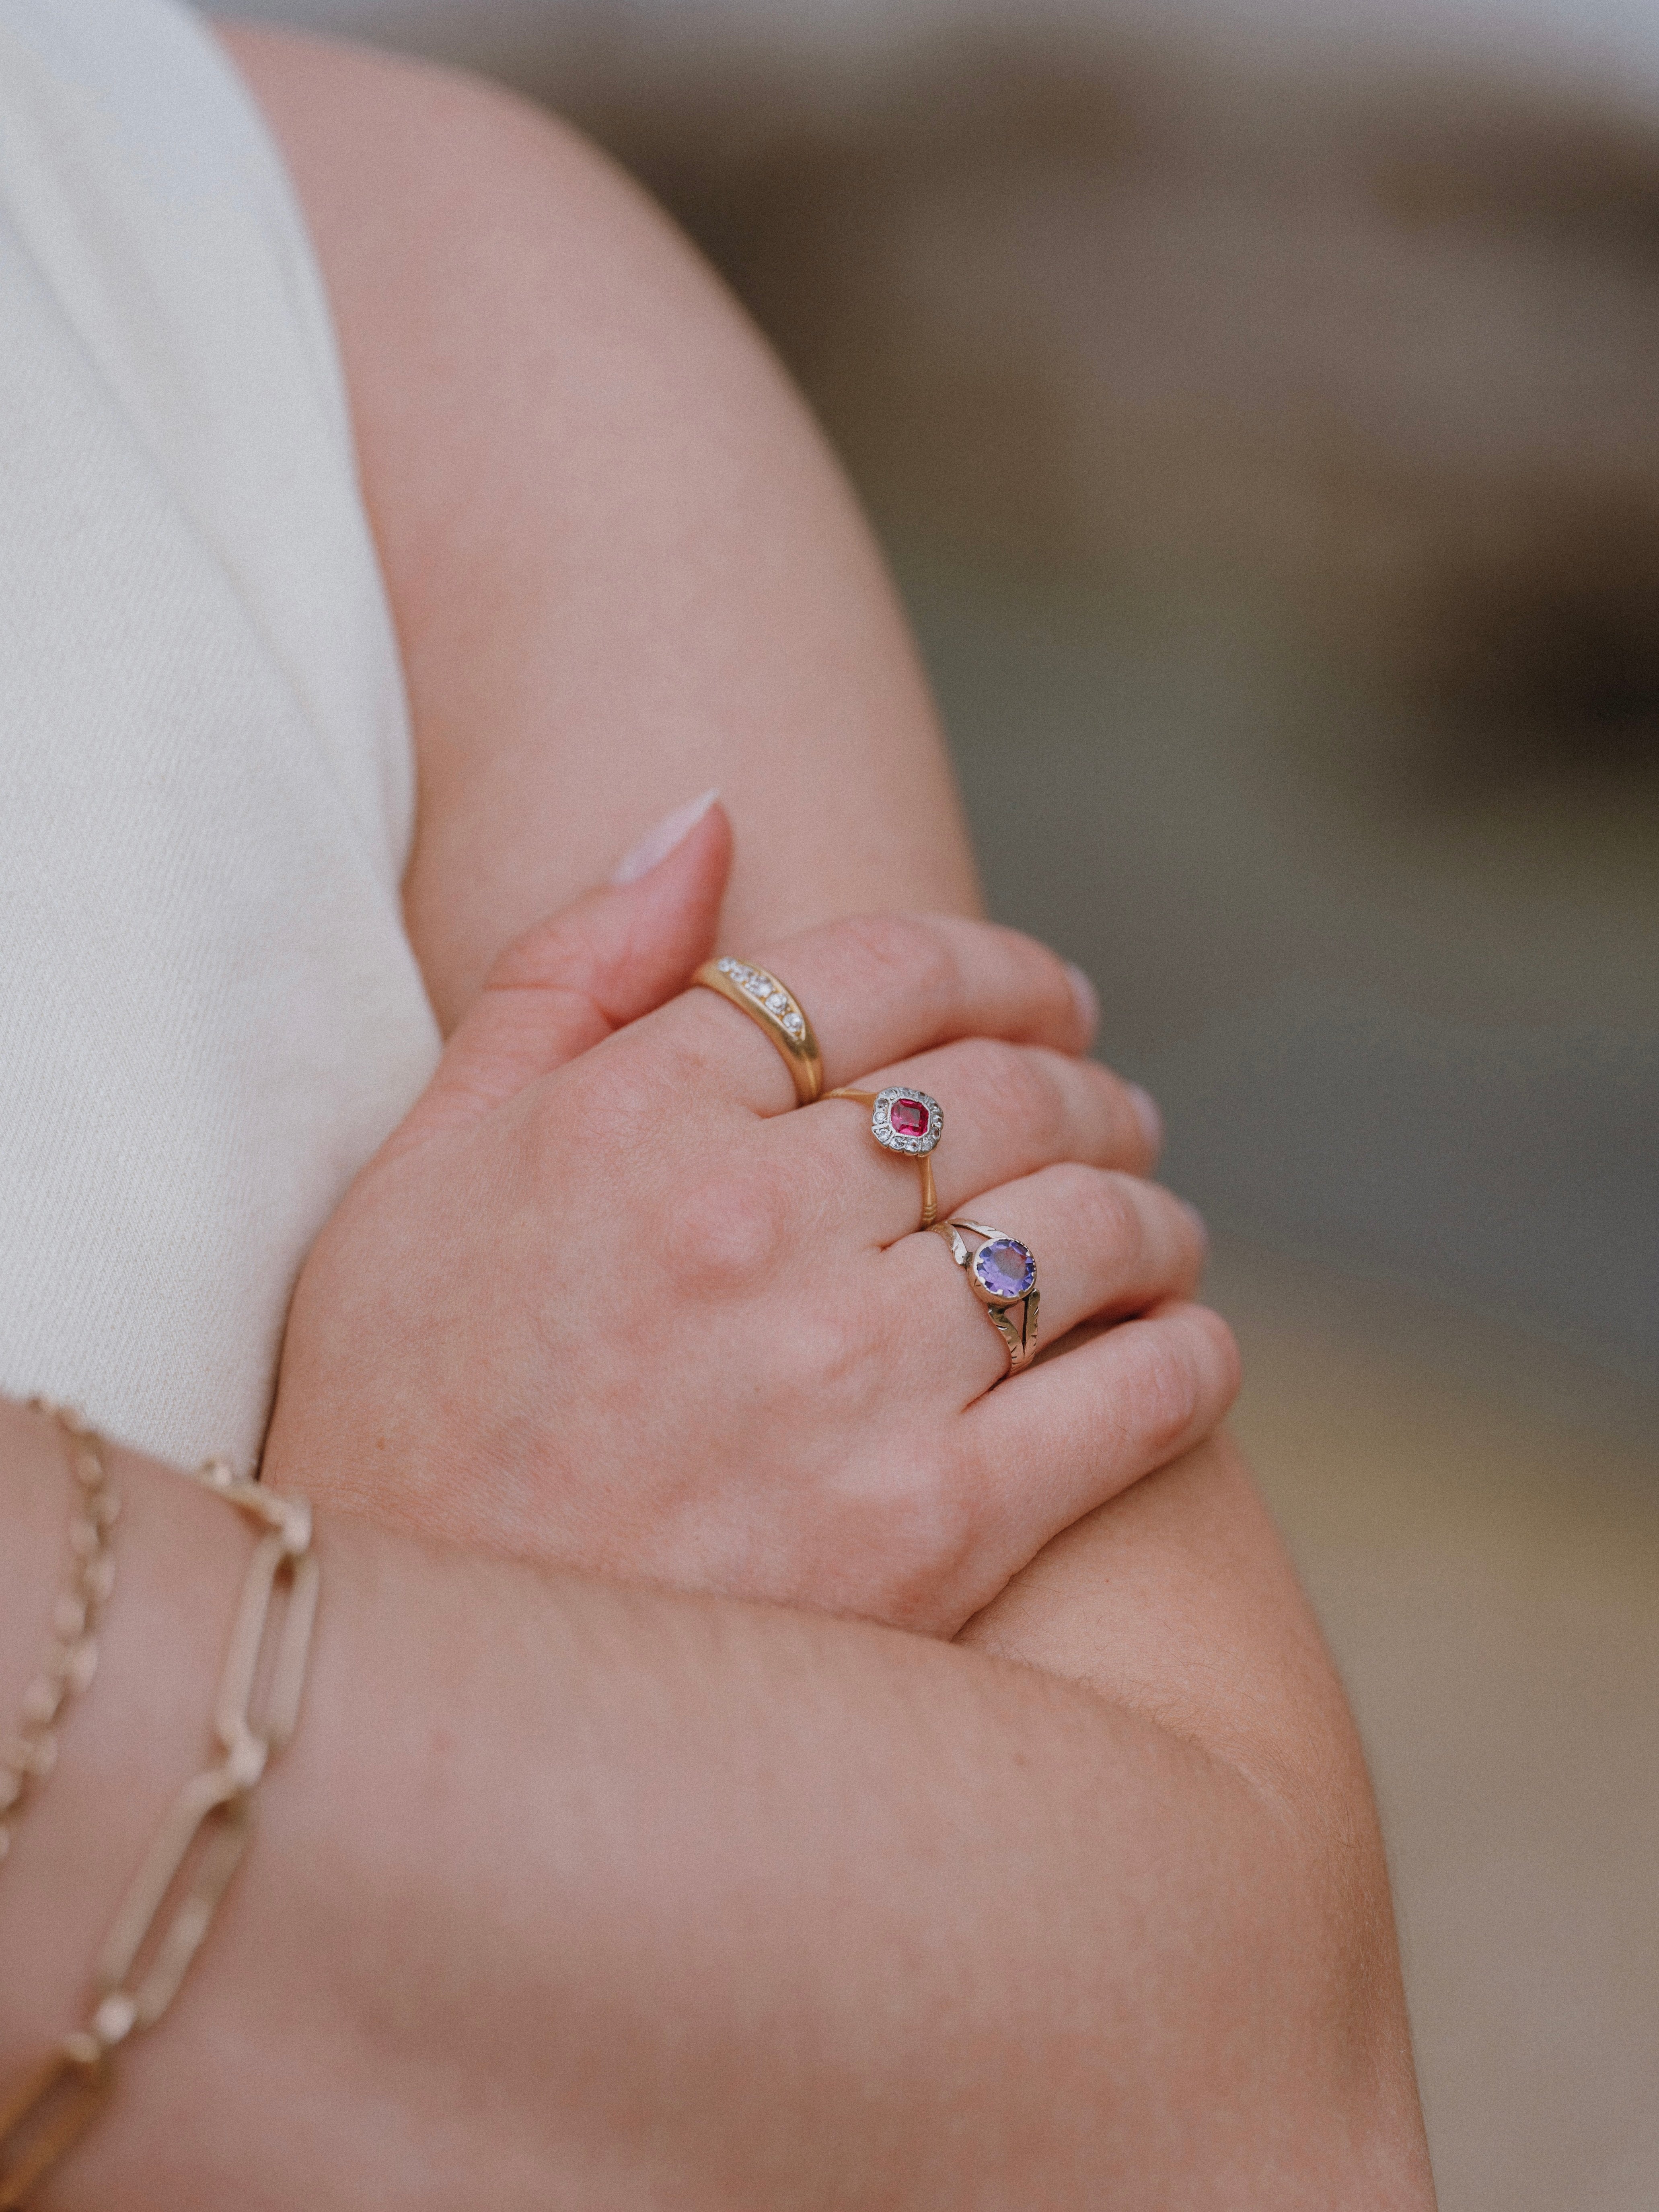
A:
(566, 984)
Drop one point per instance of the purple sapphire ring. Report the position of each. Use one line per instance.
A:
(1002, 1273)
(909, 1121)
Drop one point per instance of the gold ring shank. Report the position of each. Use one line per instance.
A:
(777, 1012)
(924, 1160)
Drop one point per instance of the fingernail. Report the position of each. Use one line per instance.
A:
(657, 844)
(1088, 999)
(1146, 1113)
(1202, 1227)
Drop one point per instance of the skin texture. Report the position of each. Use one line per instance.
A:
(485, 265)
(1006, 1944)
(465, 1346)
(623, 564)
(569, 1892)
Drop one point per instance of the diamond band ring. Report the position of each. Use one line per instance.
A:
(1002, 1273)
(906, 1122)
(773, 1007)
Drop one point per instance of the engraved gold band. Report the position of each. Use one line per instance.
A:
(1001, 1272)
(906, 1122)
(773, 1008)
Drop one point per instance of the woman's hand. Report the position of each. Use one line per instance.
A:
(603, 1300)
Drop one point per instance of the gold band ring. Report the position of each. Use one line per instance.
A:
(909, 1121)
(773, 1007)
(1002, 1274)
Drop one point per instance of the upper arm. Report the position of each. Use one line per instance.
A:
(623, 563)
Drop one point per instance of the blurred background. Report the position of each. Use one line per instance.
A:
(1259, 400)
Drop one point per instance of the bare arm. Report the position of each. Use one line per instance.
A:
(576, 1895)
(624, 568)
(623, 564)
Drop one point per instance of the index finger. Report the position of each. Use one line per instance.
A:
(881, 987)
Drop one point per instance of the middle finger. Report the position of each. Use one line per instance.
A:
(1009, 1111)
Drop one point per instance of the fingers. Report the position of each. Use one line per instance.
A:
(1107, 1244)
(882, 988)
(619, 953)
(1066, 1435)
(1009, 1111)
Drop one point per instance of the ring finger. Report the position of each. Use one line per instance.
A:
(1107, 1245)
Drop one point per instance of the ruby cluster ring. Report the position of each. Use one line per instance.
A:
(909, 1121)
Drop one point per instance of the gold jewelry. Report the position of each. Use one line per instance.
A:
(1002, 1274)
(905, 1120)
(774, 1008)
(28, 1757)
(200, 1841)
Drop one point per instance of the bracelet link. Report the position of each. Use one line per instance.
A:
(28, 1756)
(50, 2110)
(200, 1843)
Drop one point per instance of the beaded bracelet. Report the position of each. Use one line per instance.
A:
(196, 1849)
(27, 1757)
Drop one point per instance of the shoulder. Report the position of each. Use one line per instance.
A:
(526, 333)
(432, 195)
(623, 561)
(352, 119)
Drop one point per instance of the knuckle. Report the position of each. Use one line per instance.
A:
(917, 956)
(1045, 986)
(725, 1238)
(1106, 1209)
(1014, 1081)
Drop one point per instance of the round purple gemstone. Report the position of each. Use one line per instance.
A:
(1006, 1269)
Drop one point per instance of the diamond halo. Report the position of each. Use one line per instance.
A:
(906, 1121)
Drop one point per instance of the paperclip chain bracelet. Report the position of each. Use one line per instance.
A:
(196, 1849)
(27, 1757)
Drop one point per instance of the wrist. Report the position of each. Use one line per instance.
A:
(345, 1955)
(123, 1746)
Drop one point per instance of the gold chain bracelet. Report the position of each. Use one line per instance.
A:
(28, 1757)
(195, 1851)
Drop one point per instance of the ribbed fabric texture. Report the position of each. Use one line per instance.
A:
(210, 1015)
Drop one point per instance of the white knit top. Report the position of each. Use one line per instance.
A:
(210, 1015)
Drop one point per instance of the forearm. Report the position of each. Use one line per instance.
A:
(647, 1901)
(1177, 1602)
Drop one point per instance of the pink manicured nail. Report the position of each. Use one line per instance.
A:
(1147, 1114)
(1088, 999)
(657, 844)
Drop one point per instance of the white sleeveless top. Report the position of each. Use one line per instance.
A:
(210, 1015)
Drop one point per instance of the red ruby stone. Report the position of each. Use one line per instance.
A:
(907, 1117)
